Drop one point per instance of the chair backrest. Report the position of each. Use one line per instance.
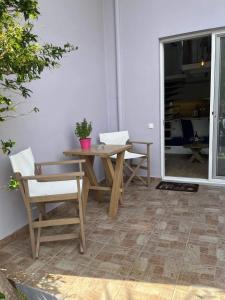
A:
(188, 131)
(114, 138)
(23, 162)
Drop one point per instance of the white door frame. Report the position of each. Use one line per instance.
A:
(216, 40)
(214, 33)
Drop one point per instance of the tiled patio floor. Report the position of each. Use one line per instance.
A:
(162, 245)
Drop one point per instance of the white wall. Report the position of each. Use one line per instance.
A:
(64, 96)
(110, 63)
(142, 23)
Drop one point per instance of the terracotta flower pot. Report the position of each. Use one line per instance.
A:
(85, 143)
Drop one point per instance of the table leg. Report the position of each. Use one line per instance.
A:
(109, 170)
(116, 187)
(196, 156)
(88, 166)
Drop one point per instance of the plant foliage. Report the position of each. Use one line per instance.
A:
(13, 184)
(22, 57)
(6, 146)
(83, 129)
(2, 296)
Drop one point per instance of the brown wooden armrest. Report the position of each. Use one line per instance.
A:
(54, 177)
(137, 152)
(140, 142)
(64, 162)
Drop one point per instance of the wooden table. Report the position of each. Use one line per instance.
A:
(196, 149)
(114, 174)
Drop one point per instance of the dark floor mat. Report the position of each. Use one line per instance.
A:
(177, 186)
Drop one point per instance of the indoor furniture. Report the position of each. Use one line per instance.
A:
(38, 189)
(114, 173)
(122, 138)
(196, 149)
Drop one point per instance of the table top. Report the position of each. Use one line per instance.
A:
(98, 150)
(196, 146)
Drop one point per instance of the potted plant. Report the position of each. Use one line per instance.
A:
(83, 131)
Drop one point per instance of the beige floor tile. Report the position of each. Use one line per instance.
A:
(161, 245)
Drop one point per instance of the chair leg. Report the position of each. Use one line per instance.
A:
(31, 229)
(82, 235)
(148, 166)
(148, 173)
(38, 237)
(126, 171)
(85, 193)
(134, 173)
(81, 217)
(42, 210)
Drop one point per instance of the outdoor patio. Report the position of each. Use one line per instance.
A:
(161, 245)
(100, 100)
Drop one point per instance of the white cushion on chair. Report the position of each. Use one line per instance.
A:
(37, 188)
(23, 162)
(118, 138)
(129, 155)
(114, 138)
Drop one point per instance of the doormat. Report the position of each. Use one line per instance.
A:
(177, 186)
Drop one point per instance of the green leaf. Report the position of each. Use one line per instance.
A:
(13, 184)
(36, 109)
(2, 296)
(83, 129)
(22, 57)
(6, 146)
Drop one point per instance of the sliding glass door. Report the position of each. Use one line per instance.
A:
(193, 107)
(218, 148)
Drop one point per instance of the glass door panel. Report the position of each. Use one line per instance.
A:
(219, 110)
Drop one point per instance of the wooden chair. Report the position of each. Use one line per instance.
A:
(38, 189)
(122, 138)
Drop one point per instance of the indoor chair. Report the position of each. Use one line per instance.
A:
(122, 138)
(38, 189)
